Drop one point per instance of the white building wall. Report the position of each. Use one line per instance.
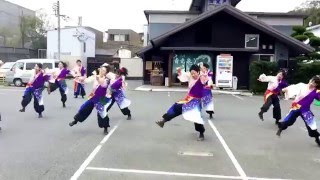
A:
(134, 66)
(124, 53)
(170, 18)
(316, 32)
(145, 35)
(282, 21)
(70, 47)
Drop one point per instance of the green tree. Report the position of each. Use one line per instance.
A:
(34, 30)
(300, 33)
(312, 9)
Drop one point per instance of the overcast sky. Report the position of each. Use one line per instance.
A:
(128, 14)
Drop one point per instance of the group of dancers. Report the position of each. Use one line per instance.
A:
(303, 94)
(108, 88)
(200, 97)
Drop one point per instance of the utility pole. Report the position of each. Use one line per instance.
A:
(56, 8)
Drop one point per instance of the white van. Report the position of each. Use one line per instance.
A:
(22, 70)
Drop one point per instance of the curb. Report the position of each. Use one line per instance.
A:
(186, 90)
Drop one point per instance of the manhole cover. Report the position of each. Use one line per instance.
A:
(316, 160)
(190, 153)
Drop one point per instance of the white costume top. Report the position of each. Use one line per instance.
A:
(273, 81)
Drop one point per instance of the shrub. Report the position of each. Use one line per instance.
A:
(305, 72)
(256, 69)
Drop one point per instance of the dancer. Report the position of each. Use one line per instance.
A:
(307, 93)
(117, 90)
(34, 89)
(98, 99)
(207, 98)
(275, 85)
(190, 106)
(80, 75)
(59, 81)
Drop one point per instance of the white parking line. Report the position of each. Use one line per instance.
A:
(136, 171)
(229, 152)
(13, 90)
(92, 155)
(163, 173)
(238, 97)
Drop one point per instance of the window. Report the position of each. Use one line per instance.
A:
(47, 65)
(262, 57)
(216, 1)
(30, 66)
(268, 58)
(84, 47)
(111, 37)
(56, 65)
(252, 41)
(127, 37)
(119, 37)
(19, 65)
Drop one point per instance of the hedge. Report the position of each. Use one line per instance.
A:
(256, 69)
(302, 73)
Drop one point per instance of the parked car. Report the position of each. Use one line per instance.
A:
(5, 68)
(22, 70)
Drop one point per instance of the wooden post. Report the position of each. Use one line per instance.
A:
(144, 70)
(170, 60)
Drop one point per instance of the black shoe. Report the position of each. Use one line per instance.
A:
(73, 123)
(105, 131)
(64, 105)
(40, 115)
(317, 141)
(201, 137)
(129, 117)
(75, 97)
(161, 123)
(261, 116)
(277, 122)
(279, 132)
(82, 97)
(23, 110)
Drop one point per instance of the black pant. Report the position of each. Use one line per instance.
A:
(26, 99)
(86, 110)
(272, 100)
(54, 86)
(79, 90)
(176, 110)
(291, 119)
(125, 111)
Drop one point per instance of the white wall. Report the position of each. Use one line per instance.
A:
(134, 66)
(316, 32)
(170, 18)
(124, 53)
(70, 45)
(282, 21)
(145, 35)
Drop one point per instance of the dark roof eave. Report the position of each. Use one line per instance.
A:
(208, 49)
